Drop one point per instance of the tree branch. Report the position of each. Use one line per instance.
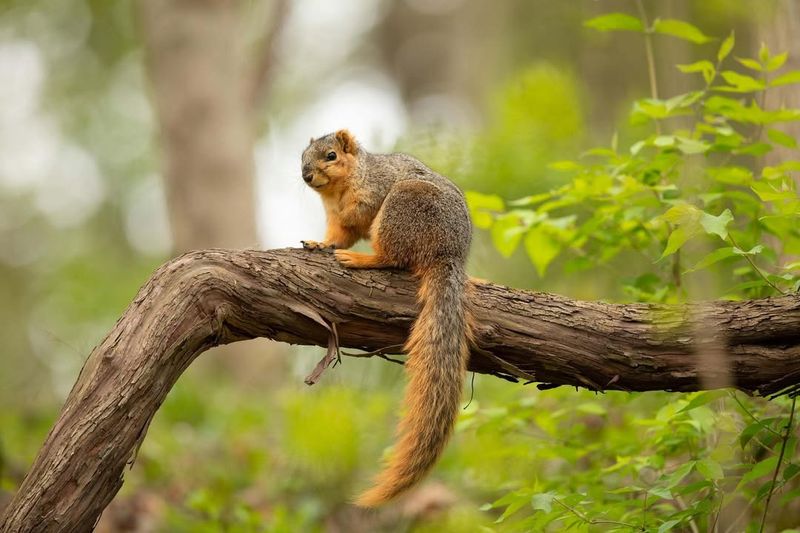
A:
(212, 297)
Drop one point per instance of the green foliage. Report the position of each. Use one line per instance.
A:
(693, 194)
(695, 455)
(696, 184)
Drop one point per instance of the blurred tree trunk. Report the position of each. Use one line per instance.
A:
(780, 32)
(206, 91)
(432, 52)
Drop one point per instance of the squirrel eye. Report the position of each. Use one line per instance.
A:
(331, 156)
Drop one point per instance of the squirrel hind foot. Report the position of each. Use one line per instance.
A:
(350, 259)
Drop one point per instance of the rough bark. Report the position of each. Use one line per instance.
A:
(213, 297)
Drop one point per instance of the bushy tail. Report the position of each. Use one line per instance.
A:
(437, 348)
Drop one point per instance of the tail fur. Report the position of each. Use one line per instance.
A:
(438, 349)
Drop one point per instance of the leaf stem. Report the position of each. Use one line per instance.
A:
(750, 414)
(755, 267)
(592, 521)
(648, 49)
(785, 438)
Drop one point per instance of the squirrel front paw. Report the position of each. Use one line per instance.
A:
(316, 245)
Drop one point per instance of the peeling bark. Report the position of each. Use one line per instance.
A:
(213, 297)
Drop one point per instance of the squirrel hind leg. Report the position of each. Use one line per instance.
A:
(350, 259)
(416, 226)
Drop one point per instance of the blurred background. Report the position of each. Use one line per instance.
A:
(132, 131)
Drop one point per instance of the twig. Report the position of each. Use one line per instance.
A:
(380, 352)
(785, 438)
(331, 356)
(387, 358)
(644, 512)
(714, 527)
(391, 349)
(472, 390)
(651, 60)
(791, 391)
(508, 367)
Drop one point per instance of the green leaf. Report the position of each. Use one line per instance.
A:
(481, 207)
(750, 63)
(786, 79)
(742, 82)
(734, 109)
(747, 285)
(542, 248)
(677, 238)
(768, 193)
(615, 22)
(682, 214)
(793, 266)
(478, 200)
(651, 108)
(755, 149)
(703, 398)
(692, 146)
(637, 147)
(710, 469)
(531, 200)
(674, 478)
(790, 471)
(749, 432)
(513, 501)
(664, 140)
(763, 52)
(507, 232)
(726, 47)
(661, 492)
(784, 139)
(543, 501)
(731, 175)
(762, 468)
(776, 62)
(668, 525)
(716, 256)
(717, 225)
(755, 250)
(681, 30)
(704, 66)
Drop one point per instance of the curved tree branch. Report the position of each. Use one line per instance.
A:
(213, 297)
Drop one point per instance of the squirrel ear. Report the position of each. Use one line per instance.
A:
(346, 141)
(311, 141)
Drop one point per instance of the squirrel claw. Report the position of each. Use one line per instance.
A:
(315, 245)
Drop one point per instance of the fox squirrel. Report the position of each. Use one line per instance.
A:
(417, 220)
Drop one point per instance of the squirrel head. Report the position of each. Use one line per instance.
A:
(329, 161)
